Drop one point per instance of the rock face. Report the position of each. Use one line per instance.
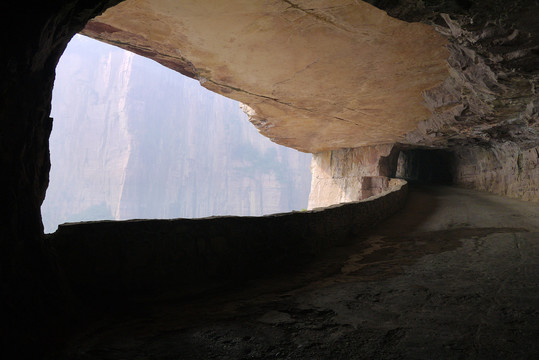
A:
(316, 76)
(504, 170)
(349, 174)
(353, 174)
(340, 74)
(133, 139)
(490, 96)
(91, 142)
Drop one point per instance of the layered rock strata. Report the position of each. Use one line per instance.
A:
(504, 170)
(353, 174)
(490, 96)
(350, 174)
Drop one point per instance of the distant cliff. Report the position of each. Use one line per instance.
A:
(133, 139)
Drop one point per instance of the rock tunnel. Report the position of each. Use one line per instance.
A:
(438, 93)
(425, 166)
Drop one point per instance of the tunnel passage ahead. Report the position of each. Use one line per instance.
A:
(454, 275)
(425, 166)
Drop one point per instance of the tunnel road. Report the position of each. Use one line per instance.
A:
(454, 275)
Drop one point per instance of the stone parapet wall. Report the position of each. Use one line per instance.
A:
(143, 257)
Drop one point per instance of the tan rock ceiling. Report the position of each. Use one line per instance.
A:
(316, 75)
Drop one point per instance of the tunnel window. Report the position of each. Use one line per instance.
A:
(425, 166)
(134, 139)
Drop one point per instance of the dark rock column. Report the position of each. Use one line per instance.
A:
(33, 39)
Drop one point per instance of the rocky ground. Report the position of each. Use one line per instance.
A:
(453, 275)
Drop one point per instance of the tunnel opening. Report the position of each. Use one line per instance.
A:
(133, 139)
(425, 166)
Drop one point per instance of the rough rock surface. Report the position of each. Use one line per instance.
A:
(337, 76)
(316, 76)
(500, 168)
(505, 170)
(490, 96)
(350, 174)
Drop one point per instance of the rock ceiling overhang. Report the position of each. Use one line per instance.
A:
(315, 75)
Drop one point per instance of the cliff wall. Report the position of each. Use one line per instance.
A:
(316, 75)
(504, 170)
(351, 174)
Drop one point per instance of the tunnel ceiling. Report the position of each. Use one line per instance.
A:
(320, 75)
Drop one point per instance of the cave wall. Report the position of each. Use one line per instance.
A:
(504, 169)
(33, 39)
(427, 166)
(323, 68)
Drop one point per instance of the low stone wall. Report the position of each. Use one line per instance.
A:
(144, 257)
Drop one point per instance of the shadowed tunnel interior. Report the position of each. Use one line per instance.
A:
(425, 166)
